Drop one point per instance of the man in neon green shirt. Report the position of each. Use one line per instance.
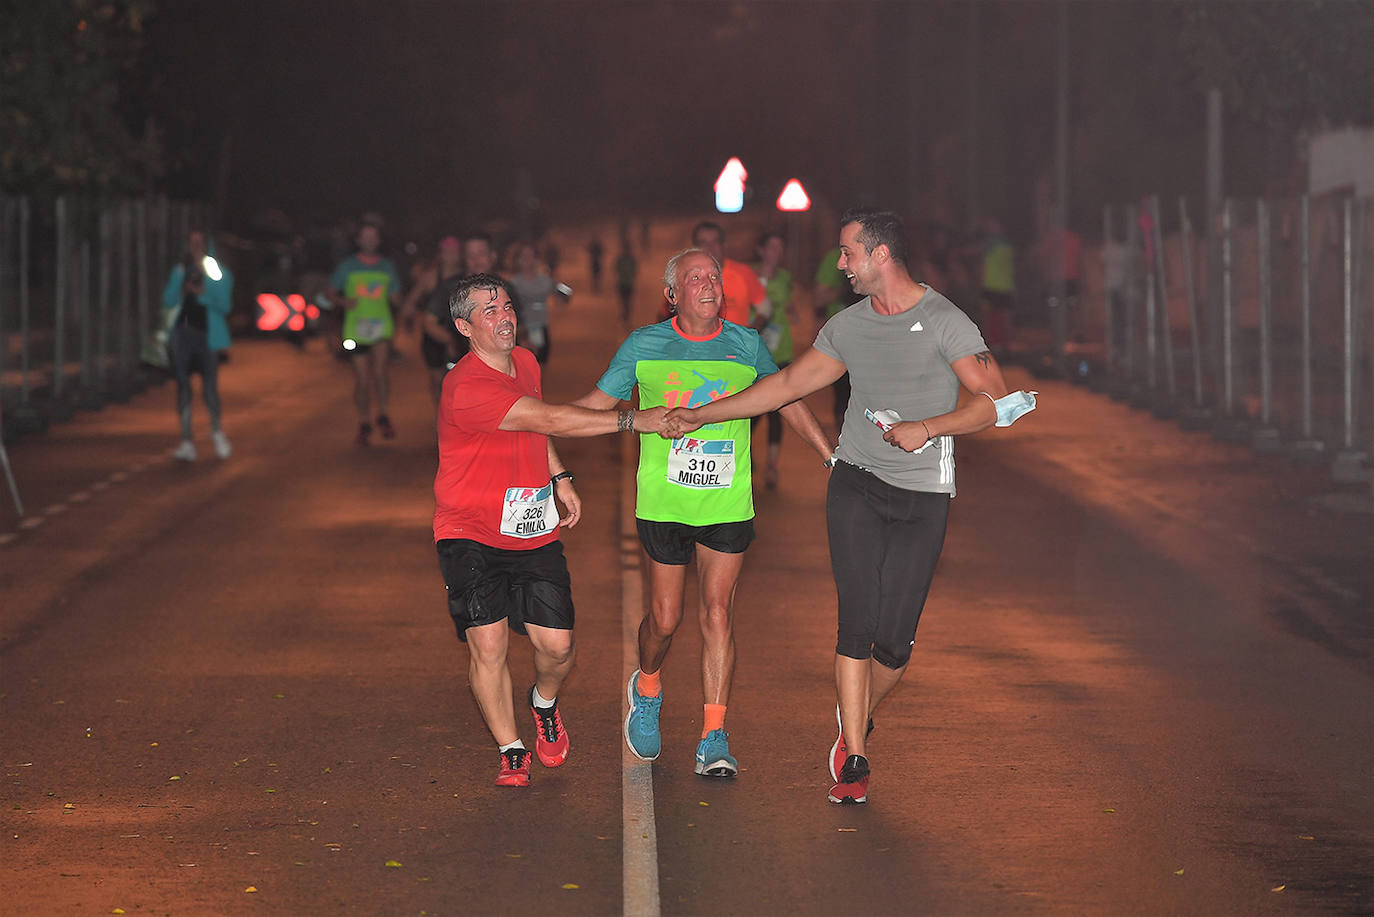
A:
(695, 495)
(367, 287)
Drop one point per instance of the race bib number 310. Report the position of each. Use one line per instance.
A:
(703, 464)
(529, 512)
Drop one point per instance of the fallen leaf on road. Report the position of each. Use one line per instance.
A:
(1110, 811)
(278, 696)
(1179, 871)
(152, 745)
(703, 803)
(600, 837)
(1278, 888)
(69, 805)
(250, 889)
(393, 863)
(514, 856)
(571, 885)
(174, 777)
(269, 790)
(1306, 837)
(846, 829)
(118, 910)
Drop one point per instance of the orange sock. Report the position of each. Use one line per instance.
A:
(714, 717)
(648, 685)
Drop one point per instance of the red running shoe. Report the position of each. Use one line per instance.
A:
(550, 738)
(852, 786)
(838, 752)
(515, 768)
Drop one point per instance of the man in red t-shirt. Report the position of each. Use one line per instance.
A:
(496, 522)
(743, 291)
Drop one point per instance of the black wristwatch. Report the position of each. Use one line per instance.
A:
(562, 475)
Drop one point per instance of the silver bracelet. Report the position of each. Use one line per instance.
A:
(625, 421)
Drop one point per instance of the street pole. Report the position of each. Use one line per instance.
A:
(1060, 318)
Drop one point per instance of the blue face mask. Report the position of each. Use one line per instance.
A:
(1012, 406)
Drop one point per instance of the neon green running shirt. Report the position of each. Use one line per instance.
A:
(702, 478)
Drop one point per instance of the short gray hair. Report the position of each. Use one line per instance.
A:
(460, 301)
(670, 272)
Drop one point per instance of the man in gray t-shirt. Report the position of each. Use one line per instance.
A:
(908, 350)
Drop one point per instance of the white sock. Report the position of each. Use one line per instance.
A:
(538, 699)
(516, 744)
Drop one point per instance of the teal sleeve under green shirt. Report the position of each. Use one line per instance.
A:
(702, 478)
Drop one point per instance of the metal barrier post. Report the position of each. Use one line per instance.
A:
(124, 361)
(1307, 447)
(103, 327)
(141, 305)
(6, 208)
(1163, 406)
(56, 406)
(26, 418)
(1348, 466)
(1194, 416)
(1151, 337)
(91, 399)
(1229, 426)
(9, 473)
(1109, 314)
(1128, 381)
(1265, 437)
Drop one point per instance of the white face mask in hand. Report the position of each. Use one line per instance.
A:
(886, 420)
(1012, 406)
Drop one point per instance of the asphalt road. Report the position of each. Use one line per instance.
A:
(1141, 685)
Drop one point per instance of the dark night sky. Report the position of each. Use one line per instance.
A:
(428, 111)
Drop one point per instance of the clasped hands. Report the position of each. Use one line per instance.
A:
(670, 424)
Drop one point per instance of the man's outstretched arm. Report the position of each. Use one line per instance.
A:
(530, 415)
(810, 372)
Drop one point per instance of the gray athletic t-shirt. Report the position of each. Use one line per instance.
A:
(901, 363)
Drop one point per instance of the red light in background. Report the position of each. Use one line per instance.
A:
(274, 311)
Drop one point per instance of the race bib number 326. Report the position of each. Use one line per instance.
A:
(528, 512)
(703, 464)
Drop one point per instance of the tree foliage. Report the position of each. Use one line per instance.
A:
(63, 120)
(1288, 64)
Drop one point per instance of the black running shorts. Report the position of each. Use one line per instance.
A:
(487, 584)
(674, 543)
(884, 544)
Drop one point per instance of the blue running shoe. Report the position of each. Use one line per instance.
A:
(713, 755)
(641, 723)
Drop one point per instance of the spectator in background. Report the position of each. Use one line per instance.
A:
(743, 292)
(998, 285)
(367, 287)
(773, 321)
(438, 351)
(625, 269)
(595, 252)
(533, 288)
(197, 300)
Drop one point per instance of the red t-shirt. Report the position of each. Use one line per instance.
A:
(493, 485)
(742, 291)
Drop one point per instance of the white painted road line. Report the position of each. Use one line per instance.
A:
(639, 845)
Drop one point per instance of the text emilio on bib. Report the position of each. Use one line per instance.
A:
(529, 512)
